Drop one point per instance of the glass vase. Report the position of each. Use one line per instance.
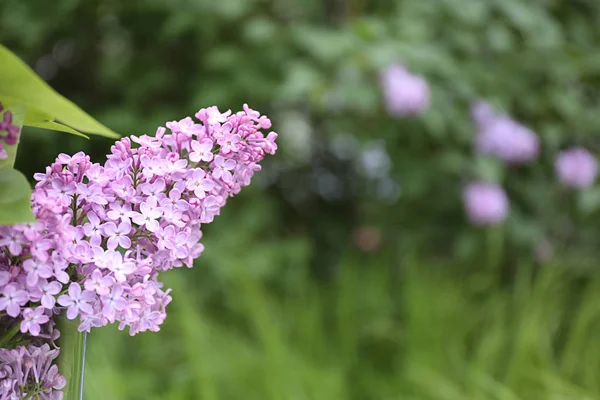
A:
(71, 361)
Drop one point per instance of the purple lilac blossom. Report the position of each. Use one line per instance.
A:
(576, 168)
(503, 137)
(104, 233)
(485, 203)
(9, 133)
(137, 215)
(404, 93)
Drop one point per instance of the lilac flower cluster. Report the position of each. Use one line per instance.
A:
(486, 203)
(29, 372)
(404, 93)
(576, 168)
(105, 232)
(9, 133)
(503, 137)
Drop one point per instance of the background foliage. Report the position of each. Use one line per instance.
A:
(286, 303)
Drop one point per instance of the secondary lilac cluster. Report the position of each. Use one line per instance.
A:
(9, 133)
(404, 93)
(486, 203)
(576, 168)
(503, 137)
(29, 372)
(105, 232)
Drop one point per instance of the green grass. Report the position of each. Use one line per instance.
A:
(419, 331)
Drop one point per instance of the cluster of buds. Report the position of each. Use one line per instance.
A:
(9, 133)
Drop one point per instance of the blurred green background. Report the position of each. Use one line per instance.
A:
(348, 270)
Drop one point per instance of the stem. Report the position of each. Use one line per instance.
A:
(9, 335)
(495, 244)
(82, 361)
(74, 208)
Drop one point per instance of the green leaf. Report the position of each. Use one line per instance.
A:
(38, 119)
(15, 194)
(45, 107)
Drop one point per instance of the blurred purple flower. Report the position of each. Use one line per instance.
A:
(503, 137)
(404, 93)
(485, 203)
(576, 168)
